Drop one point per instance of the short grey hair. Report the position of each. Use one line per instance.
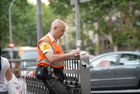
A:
(56, 22)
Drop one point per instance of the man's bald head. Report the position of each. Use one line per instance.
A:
(57, 23)
(58, 28)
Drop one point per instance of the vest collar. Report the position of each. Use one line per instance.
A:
(52, 38)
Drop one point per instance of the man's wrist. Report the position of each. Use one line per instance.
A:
(68, 55)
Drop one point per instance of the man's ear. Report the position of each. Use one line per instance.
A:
(55, 27)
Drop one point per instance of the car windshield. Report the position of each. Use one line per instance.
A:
(103, 59)
(29, 54)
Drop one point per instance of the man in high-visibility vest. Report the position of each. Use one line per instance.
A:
(51, 54)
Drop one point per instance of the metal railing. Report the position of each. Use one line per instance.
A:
(35, 86)
(77, 73)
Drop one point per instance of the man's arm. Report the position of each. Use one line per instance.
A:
(61, 57)
(48, 51)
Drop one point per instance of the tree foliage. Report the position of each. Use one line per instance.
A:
(122, 31)
(118, 22)
(23, 23)
(4, 31)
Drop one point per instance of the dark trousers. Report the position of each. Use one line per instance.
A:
(55, 84)
(6, 92)
(56, 87)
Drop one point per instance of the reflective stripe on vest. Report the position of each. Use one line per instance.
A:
(57, 50)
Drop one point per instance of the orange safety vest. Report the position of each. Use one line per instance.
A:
(43, 61)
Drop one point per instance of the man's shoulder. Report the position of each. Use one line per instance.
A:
(44, 38)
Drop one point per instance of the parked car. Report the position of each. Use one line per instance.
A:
(115, 70)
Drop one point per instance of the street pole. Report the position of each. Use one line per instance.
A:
(97, 37)
(77, 16)
(10, 22)
(10, 27)
(39, 20)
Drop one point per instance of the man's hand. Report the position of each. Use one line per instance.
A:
(74, 53)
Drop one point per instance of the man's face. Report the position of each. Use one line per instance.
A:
(59, 31)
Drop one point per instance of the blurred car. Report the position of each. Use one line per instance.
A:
(28, 53)
(12, 53)
(25, 52)
(115, 70)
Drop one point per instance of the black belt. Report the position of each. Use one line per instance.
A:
(58, 70)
